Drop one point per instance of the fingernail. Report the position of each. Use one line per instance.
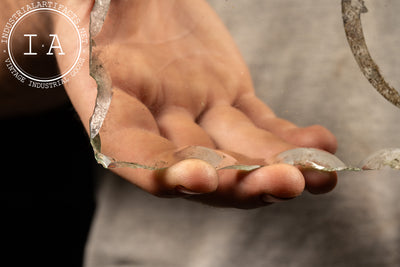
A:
(186, 191)
(271, 199)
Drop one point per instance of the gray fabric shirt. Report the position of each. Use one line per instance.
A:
(303, 69)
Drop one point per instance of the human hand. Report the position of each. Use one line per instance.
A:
(179, 80)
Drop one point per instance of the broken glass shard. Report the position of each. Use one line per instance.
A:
(312, 158)
(300, 157)
(324, 161)
(351, 13)
(387, 158)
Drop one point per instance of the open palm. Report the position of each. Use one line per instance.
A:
(179, 80)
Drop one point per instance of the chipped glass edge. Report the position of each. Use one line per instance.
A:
(310, 158)
(351, 15)
(325, 161)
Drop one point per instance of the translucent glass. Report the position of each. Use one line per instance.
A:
(352, 11)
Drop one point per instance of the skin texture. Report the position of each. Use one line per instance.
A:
(179, 80)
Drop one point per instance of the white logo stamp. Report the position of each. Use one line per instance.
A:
(31, 55)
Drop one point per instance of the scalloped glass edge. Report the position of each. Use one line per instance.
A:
(301, 157)
(324, 161)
